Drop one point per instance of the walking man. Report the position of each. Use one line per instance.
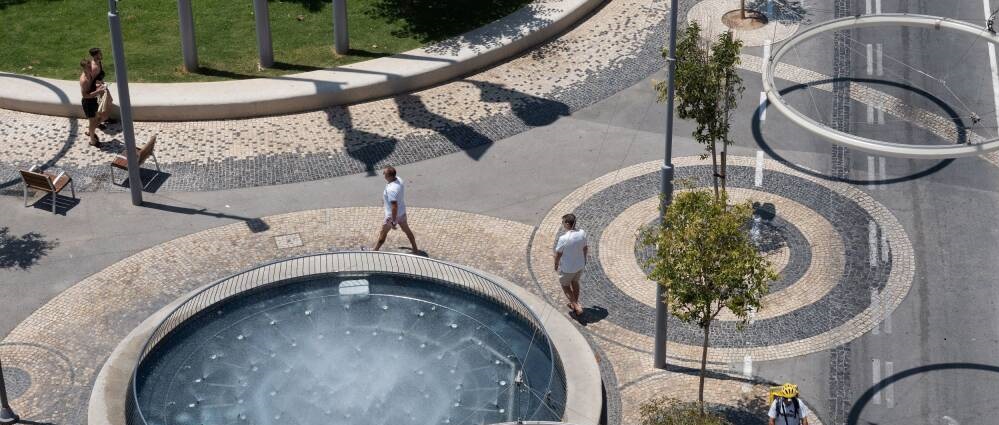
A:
(570, 258)
(395, 209)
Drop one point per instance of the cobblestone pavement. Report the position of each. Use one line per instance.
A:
(611, 50)
(845, 262)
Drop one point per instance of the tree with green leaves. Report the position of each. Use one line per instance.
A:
(707, 88)
(704, 259)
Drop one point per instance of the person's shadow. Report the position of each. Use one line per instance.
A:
(591, 315)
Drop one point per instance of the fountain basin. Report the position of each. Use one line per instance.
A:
(355, 338)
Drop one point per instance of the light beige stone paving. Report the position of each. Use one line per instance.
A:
(708, 15)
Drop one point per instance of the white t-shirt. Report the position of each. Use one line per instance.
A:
(571, 245)
(394, 191)
(792, 419)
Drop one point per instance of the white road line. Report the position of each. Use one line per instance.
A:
(766, 53)
(890, 390)
(884, 247)
(879, 59)
(992, 63)
(877, 6)
(762, 109)
(870, 174)
(881, 114)
(867, 7)
(886, 323)
(882, 175)
(870, 58)
(872, 242)
(876, 378)
(947, 420)
(759, 169)
(870, 113)
(876, 301)
(747, 370)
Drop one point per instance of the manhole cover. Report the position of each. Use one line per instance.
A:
(18, 381)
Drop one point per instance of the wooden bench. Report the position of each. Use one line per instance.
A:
(46, 182)
(144, 153)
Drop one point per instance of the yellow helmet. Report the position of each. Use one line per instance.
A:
(787, 390)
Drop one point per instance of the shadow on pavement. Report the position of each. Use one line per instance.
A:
(951, 114)
(255, 225)
(23, 251)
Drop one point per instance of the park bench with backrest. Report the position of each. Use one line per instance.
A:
(46, 182)
(144, 153)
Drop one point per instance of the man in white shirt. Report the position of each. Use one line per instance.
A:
(570, 258)
(395, 209)
(787, 409)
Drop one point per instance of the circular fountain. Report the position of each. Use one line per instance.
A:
(349, 338)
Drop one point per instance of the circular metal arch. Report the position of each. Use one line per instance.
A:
(862, 143)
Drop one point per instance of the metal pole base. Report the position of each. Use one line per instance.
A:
(8, 416)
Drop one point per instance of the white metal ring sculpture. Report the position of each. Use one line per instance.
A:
(862, 143)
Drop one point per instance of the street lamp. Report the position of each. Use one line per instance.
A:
(125, 103)
(666, 187)
(7, 416)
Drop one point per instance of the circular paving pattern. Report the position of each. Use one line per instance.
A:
(37, 377)
(782, 24)
(846, 260)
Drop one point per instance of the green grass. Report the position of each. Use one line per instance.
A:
(49, 37)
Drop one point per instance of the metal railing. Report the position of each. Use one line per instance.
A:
(288, 271)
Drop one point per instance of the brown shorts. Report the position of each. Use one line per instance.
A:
(567, 278)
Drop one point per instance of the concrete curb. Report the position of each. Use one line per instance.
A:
(583, 383)
(358, 82)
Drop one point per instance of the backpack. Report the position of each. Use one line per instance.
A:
(788, 409)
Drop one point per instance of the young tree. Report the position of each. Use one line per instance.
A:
(707, 88)
(706, 261)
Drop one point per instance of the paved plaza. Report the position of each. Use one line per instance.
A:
(886, 265)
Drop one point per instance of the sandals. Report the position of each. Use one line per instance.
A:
(94, 141)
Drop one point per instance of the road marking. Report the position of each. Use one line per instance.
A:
(876, 378)
(867, 7)
(747, 370)
(992, 63)
(766, 54)
(882, 175)
(949, 420)
(879, 59)
(762, 109)
(890, 390)
(872, 242)
(870, 58)
(870, 113)
(759, 169)
(870, 174)
(876, 302)
(881, 114)
(877, 6)
(884, 247)
(886, 322)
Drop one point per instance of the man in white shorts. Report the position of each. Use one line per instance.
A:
(395, 209)
(570, 258)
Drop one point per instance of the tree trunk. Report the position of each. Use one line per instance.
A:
(724, 154)
(704, 366)
(742, 7)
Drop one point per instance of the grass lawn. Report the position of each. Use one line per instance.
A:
(49, 37)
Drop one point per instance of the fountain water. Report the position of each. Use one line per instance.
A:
(373, 349)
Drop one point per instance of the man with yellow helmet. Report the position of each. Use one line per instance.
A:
(785, 408)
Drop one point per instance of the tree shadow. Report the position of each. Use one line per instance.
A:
(23, 251)
(414, 112)
(256, 225)
(449, 24)
(310, 5)
(368, 148)
(783, 11)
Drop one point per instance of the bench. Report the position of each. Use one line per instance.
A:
(46, 182)
(144, 153)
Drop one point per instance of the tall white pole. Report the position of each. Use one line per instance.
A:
(187, 45)
(264, 47)
(666, 186)
(124, 103)
(341, 43)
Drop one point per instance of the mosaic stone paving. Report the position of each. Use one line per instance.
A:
(859, 264)
(613, 49)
